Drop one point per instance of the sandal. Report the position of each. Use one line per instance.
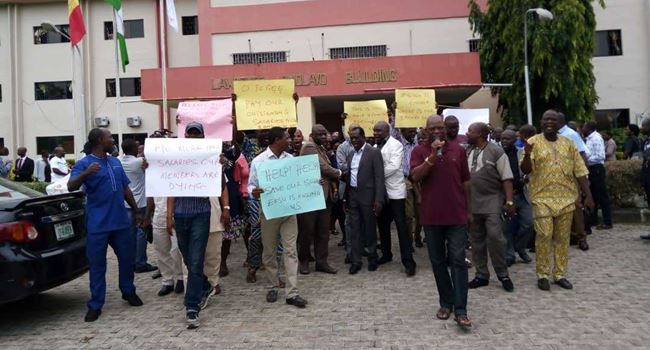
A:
(463, 321)
(443, 313)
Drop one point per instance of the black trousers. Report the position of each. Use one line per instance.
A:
(598, 187)
(313, 227)
(363, 229)
(395, 210)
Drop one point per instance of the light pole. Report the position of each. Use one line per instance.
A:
(543, 14)
(79, 110)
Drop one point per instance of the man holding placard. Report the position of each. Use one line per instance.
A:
(280, 228)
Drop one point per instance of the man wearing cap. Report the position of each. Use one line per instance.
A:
(191, 218)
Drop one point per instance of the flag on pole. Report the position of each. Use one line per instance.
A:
(171, 15)
(76, 21)
(118, 30)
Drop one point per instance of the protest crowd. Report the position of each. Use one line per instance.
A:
(497, 193)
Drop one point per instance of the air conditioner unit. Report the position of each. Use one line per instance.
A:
(134, 122)
(102, 121)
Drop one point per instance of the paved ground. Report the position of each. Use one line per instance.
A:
(609, 308)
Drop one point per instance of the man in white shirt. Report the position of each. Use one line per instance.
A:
(595, 164)
(134, 169)
(284, 228)
(59, 165)
(392, 153)
(42, 170)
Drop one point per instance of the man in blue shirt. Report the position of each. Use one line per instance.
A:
(107, 220)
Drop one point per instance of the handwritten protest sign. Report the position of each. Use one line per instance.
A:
(468, 116)
(183, 167)
(215, 116)
(365, 113)
(263, 104)
(291, 186)
(414, 106)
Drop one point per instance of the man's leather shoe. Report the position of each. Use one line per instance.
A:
(165, 290)
(297, 301)
(510, 262)
(347, 260)
(525, 257)
(133, 299)
(418, 243)
(354, 268)
(478, 282)
(180, 287)
(646, 237)
(543, 284)
(506, 283)
(250, 276)
(372, 266)
(564, 283)
(92, 315)
(384, 259)
(303, 268)
(326, 269)
(272, 296)
(145, 268)
(583, 245)
(156, 275)
(410, 269)
(604, 227)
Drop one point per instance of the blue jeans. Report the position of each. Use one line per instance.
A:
(446, 245)
(123, 244)
(519, 230)
(140, 240)
(192, 233)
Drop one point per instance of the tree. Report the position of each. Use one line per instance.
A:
(559, 56)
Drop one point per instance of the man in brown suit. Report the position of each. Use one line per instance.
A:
(313, 226)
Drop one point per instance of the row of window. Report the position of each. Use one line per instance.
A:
(48, 143)
(607, 43)
(132, 29)
(335, 53)
(62, 90)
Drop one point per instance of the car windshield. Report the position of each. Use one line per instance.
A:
(10, 191)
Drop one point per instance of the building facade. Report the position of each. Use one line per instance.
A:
(336, 50)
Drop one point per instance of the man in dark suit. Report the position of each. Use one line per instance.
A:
(313, 226)
(24, 166)
(366, 194)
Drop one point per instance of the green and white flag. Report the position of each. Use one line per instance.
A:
(118, 30)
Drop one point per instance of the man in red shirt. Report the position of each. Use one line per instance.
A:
(442, 169)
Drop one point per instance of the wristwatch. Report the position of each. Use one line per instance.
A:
(226, 207)
(510, 203)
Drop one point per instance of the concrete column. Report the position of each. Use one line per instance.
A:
(306, 115)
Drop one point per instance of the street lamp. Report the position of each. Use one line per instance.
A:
(79, 111)
(545, 15)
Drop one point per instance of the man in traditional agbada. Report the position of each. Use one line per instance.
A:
(553, 164)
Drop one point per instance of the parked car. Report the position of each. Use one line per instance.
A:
(42, 240)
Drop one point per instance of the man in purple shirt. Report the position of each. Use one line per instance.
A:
(442, 169)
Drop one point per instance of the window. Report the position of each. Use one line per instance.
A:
(617, 118)
(259, 57)
(50, 142)
(2, 142)
(53, 90)
(473, 45)
(41, 36)
(133, 28)
(128, 87)
(358, 52)
(190, 25)
(608, 43)
(0, 93)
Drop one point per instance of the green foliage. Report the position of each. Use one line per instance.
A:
(624, 183)
(36, 186)
(619, 137)
(559, 54)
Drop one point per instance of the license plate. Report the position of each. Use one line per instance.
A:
(63, 230)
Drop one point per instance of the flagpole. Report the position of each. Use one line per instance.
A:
(118, 95)
(163, 63)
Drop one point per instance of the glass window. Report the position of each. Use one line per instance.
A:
(138, 137)
(13, 191)
(473, 45)
(259, 57)
(50, 142)
(0, 92)
(617, 118)
(41, 36)
(53, 90)
(608, 43)
(133, 28)
(358, 52)
(128, 87)
(190, 25)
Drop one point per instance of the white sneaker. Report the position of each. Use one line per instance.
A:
(206, 297)
(192, 319)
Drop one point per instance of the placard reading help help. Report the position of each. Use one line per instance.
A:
(291, 186)
(183, 167)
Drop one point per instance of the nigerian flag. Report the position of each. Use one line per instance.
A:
(118, 30)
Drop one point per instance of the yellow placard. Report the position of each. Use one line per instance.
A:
(414, 106)
(263, 104)
(366, 114)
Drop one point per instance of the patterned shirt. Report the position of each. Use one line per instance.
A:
(555, 167)
(250, 149)
(596, 149)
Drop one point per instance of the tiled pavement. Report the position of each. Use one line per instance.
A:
(609, 308)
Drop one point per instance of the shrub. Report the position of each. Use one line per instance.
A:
(624, 183)
(36, 186)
